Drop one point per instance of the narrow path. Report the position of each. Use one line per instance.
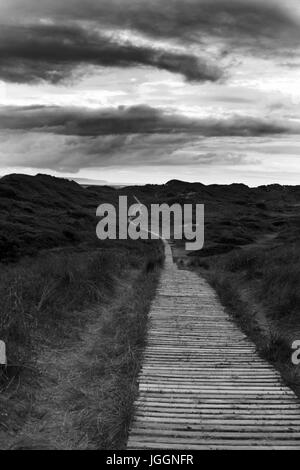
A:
(202, 384)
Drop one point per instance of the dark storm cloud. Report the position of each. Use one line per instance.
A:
(130, 120)
(67, 42)
(258, 25)
(52, 52)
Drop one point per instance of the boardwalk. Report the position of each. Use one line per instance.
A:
(202, 384)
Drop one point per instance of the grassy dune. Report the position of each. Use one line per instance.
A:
(58, 368)
(42, 212)
(73, 314)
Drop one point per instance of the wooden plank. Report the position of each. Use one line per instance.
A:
(152, 445)
(198, 412)
(219, 421)
(211, 428)
(212, 435)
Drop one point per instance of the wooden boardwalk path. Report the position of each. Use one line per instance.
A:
(202, 384)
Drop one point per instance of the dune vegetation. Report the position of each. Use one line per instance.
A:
(73, 315)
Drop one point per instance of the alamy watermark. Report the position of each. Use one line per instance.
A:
(296, 353)
(3, 360)
(158, 221)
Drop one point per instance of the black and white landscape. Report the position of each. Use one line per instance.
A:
(162, 101)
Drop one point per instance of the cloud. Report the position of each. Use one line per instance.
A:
(126, 120)
(70, 139)
(251, 24)
(71, 153)
(30, 53)
(55, 41)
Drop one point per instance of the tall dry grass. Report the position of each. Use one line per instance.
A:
(48, 304)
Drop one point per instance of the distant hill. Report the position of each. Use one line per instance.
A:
(235, 215)
(42, 211)
(180, 191)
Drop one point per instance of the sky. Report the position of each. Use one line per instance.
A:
(144, 91)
